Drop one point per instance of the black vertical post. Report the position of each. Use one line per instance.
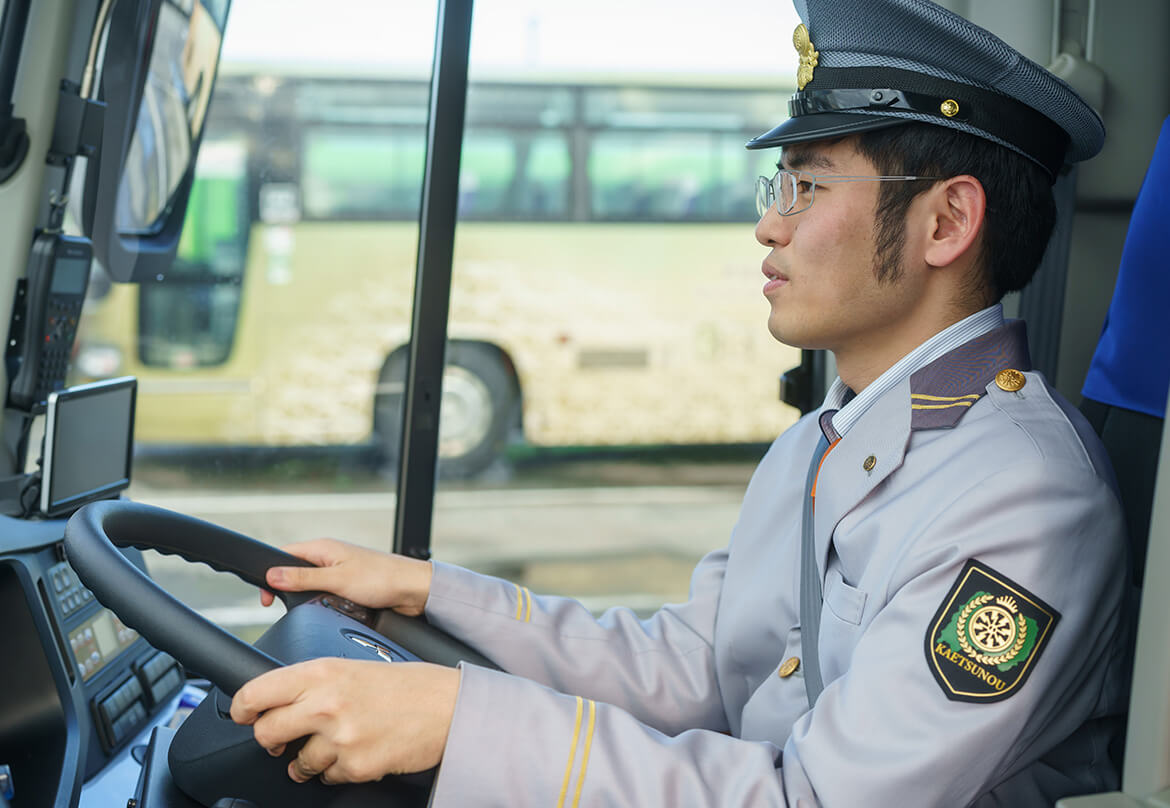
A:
(432, 285)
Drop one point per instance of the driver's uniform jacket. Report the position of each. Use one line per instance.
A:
(699, 705)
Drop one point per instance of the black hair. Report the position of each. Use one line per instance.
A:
(1021, 211)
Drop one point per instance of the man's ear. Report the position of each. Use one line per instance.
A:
(957, 208)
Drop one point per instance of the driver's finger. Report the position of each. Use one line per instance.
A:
(268, 691)
(281, 726)
(297, 579)
(266, 597)
(315, 756)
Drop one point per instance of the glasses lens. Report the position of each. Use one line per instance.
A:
(763, 195)
(785, 191)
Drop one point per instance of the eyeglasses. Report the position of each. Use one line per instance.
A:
(792, 191)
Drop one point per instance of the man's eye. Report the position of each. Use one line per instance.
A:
(804, 186)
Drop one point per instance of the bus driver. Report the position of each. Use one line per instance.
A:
(922, 601)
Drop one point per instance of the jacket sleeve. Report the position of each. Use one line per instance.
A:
(661, 670)
(516, 743)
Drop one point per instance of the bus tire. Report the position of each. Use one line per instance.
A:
(478, 412)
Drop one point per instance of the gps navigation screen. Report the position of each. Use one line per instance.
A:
(88, 443)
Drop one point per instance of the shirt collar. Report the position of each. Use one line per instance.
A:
(949, 341)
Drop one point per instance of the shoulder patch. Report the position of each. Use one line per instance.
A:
(986, 636)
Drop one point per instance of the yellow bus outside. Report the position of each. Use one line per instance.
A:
(605, 289)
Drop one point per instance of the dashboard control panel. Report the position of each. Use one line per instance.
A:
(98, 640)
(86, 685)
(123, 707)
(70, 594)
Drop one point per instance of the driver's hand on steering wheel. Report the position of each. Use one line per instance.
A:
(369, 578)
(363, 720)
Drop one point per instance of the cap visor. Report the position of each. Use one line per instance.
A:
(822, 126)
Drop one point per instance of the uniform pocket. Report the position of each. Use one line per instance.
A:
(845, 601)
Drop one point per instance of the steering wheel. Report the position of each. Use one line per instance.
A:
(211, 758)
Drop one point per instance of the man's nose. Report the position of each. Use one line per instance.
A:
(774, 230)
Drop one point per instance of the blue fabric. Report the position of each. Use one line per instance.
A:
(1131, 367)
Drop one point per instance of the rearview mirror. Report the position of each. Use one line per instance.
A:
(160, 64)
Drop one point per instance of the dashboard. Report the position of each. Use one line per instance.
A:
(78, 688)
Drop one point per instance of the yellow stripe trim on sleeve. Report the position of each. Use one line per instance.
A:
(943, 398)
(585, 757)
(519, 600)
(941, 406)
(528, 607)
(572, 755)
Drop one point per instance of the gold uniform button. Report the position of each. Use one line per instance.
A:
(789, 667)
(1010, 380)
(869, 463)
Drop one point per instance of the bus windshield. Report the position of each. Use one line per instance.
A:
(629, 195)
(605, 327)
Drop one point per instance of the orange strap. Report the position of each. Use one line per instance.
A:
(832, 446)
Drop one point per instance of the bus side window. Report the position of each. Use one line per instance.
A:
(362, 174)
(514, 175)
(487, 171)
(652, 175)
(189, 320)
(736, 175)
(544, 185)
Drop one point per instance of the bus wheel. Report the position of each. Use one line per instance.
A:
(478, 409)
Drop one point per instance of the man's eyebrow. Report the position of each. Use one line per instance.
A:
(801, 158)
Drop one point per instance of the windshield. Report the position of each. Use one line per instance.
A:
(610, 380)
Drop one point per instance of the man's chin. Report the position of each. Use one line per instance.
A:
(788, 334)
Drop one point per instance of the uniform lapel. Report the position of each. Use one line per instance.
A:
(844, 480)
(935, 396)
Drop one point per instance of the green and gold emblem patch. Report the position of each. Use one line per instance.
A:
(986, 636)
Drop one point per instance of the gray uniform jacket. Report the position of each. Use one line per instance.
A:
(947, 683)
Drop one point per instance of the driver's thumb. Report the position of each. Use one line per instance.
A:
(296, 579)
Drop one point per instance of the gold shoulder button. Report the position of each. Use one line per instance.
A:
(788, 667)
(1010, 380)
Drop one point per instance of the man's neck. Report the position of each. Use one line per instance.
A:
(860, 364)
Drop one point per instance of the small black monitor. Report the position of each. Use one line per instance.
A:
(89, 440)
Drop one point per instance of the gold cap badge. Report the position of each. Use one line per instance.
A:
(808, 56)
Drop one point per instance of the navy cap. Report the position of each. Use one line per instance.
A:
(871, 64)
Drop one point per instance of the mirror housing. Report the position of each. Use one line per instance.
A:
(158, 73)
